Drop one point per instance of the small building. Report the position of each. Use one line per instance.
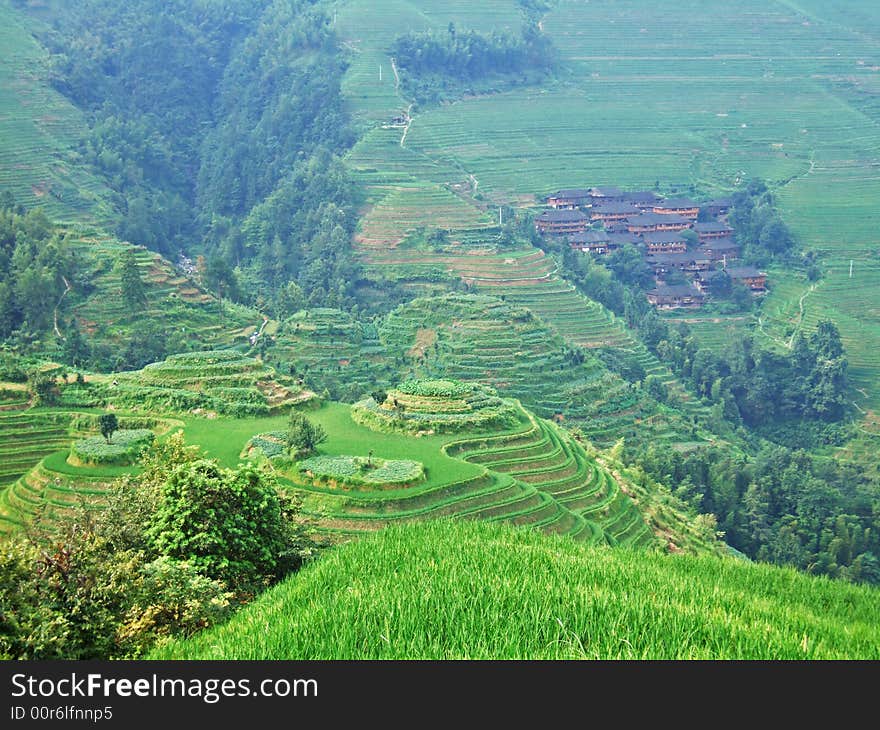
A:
(606, 195)
(748, 276)
(569, 198)
(685, 207)
(623, 238)
(562, 222)
(598, 242)
(642, 199)
(721, 249)
(610, 212)
(652, 222)
(617, 227)
(716, 207)
(712, 229)
(663, 263)
(683, 296)
(704, 280)
(664, 242)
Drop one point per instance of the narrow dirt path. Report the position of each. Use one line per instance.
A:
(60, 299)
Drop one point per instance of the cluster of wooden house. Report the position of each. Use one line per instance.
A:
(602, 220)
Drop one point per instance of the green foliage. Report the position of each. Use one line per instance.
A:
(303, 435)
(133, 291)
(109, 424)
(782, 506)
(90, 587)
(362, 471)
(233, 525)
(35, 263)
(436, 63)
(125, 447)
(435, 388)
(471, 590)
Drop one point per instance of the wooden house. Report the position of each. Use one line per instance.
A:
(562, 222)
(712, 229)
(664, 242)
(704, 280)
(606, 195)
(663, 263)
(597, 242)
(642, 199)
(684, 207)
(716, 207)
(610, 212)
(683, 296)
(748, 276)
(569, 199)
(721, 249)
(653, 222)
(624, 238)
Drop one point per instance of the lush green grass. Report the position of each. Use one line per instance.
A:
(447, 590)
(223, 439)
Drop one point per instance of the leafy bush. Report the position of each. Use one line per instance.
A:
(233, 525)
(124, 448)
(362, 471)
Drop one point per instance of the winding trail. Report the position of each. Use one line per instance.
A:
(60, 299)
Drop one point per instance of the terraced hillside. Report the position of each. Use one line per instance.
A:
(528, 278)
(684, 100)
(329, 349)
(40, 131)
(47, 483)
(504, 464)
(198, 319)
(481, 338)
(216, 380)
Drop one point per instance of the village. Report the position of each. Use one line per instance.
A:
(688, 245)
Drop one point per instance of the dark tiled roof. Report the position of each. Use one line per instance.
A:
(677, 290)
(589, 237)
(720, 244)
(562, 216)
(674, 203)
(709, 275)
(650, 219)
(621, 239)
(571, 193)
(744, 272)
(606, 192)
(615, 208)
(641, 196)
(711, 227)
(669, 258)
(663, 237)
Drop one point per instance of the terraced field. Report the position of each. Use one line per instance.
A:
(221, 380)
(693, 99)
(40, 130)
(328, 349)
(526, 472)
(484, 339)
(171, 297)
(27, 436)
(36, 476)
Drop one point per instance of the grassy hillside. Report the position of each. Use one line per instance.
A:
(478, 591)
(40, 131)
